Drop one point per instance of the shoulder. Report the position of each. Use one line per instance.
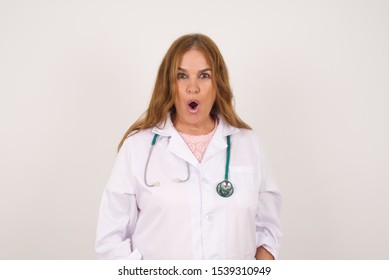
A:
(246, 135)
(138, 140)
(247, 140)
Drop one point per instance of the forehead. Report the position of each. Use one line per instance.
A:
(194, 59)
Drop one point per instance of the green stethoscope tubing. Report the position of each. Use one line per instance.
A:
(224, 188)
(154, 139)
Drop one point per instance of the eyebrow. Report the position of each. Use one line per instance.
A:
(204, 70)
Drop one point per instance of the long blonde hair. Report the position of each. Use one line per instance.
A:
(165, 88)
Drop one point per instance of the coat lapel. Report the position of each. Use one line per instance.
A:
(219, 141)
(178, 146)
(176, 143)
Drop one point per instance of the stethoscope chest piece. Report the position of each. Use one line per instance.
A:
(225, 188)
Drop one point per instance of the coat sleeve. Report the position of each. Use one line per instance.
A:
(268, 227)
(118, 212)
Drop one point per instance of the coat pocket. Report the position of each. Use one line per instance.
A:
(245, 180)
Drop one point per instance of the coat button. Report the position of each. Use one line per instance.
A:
(204, 180)
(208, 217)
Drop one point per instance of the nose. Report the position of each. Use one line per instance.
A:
(192, 87)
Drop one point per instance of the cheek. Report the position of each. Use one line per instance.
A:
(180, 91)
(208, 88)
(211, 93)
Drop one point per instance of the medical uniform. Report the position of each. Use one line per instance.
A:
(188, 220)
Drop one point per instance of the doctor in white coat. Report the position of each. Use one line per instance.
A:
(189, 181)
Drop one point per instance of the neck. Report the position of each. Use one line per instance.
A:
(199, 128)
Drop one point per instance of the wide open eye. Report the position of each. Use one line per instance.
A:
(181, 76)
(205, 75)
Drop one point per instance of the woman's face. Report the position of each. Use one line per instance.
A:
(196, 94)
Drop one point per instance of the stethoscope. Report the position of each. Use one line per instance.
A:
(224, 188)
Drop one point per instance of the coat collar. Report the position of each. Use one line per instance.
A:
(178, 146)
(168, 129)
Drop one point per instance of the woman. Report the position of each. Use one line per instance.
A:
(167, 197)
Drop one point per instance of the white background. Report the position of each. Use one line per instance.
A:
(311, 77)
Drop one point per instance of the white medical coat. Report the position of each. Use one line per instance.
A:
(188, 220)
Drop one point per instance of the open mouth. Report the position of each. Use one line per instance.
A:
(193, 106)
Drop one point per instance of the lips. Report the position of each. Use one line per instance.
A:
(193, 106)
